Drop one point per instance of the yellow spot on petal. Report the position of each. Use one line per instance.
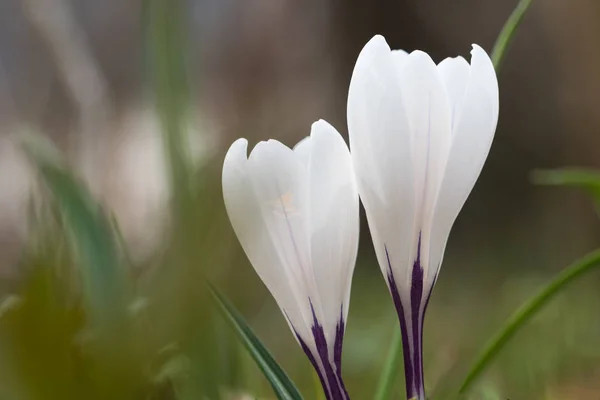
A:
(284, 205)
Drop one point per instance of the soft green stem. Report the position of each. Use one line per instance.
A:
(508, 30)
(166, 41)
(386, 381)
(525, 313)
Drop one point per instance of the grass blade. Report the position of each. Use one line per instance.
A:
(90, 233)
(576, 177)
(525, 313)
(166, 45)
(507, 33)
(586, 179)
(579, 177)
(282, 385)
(390, 369)
(165, 24)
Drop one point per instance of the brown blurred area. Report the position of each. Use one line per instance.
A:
(267, 69)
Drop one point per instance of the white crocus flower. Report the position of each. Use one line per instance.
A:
(295, 213)
(419, 136)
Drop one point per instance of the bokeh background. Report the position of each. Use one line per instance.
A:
(77, 72)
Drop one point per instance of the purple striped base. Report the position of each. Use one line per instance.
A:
(412, 339)
(330, 373)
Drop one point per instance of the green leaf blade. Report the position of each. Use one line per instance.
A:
(282, 385)
(508, 31)
(90, 233)
(586, 179)
(390, 369)
(525, 313)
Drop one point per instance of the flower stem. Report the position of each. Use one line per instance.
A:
(413, 365)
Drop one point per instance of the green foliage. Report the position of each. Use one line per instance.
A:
(282, 385)
(508, 31)
(165, 46)
(90, 233)
(581, 178)
(525, 313)
(392, 365)
(586, 179)
(194, 213)
(123, 339)
(50, 350)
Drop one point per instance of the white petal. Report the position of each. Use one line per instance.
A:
(380, 146)
(473, 135)
(483, 72)
(399, 57)
(302, 150)
(334, 223)
(428, 111)
(455, 73)
(256, 219)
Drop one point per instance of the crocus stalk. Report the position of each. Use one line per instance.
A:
(419, 136)
(295, 213)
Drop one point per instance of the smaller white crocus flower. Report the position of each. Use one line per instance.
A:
(295, 213)
(419, 136)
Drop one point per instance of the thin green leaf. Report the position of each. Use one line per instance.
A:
(525, 313)
(91, 236)
(586, 179)
(165, 23)
(282, 385)
(576, 177)
(390, 369)
(165, 35)
(508, 30)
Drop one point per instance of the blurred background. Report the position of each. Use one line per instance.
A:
(80, 73)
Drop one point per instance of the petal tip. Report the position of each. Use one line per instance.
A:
(419, 53)
(378, 38)
(305, 141)
(377, 42)
(319, 124)
(322, 129)
(238, 149)
(475, 46)
(419, 56)
(454, 61)
(477, 50)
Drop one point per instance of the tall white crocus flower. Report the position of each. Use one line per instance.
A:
(295, 213)
(419, 136)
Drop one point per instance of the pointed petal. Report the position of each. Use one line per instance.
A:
(334, 223)
(399, 57)
(302, 150)
(427, 108)
(472, 138)
(380, 144)
(483, 72)
(455, 73)
(253, 219)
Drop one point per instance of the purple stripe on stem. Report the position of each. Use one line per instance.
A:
(337, 350)
(339, 341)
(334, 381)
(416, 295)
(329, 373)
(312, 360)
(413, 368)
